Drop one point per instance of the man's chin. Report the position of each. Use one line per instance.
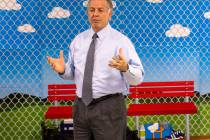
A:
(96, 27)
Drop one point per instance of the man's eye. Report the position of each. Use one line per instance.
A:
(101, 10)
(92, 10)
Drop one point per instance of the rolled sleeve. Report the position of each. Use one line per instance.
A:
(134, 75)
(69, 66)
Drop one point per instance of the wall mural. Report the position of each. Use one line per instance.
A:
(171, 37)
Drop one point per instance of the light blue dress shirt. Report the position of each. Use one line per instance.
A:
(106, 80)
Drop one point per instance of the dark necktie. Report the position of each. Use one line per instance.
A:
(87, 93)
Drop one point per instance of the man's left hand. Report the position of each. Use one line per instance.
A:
(119, 62)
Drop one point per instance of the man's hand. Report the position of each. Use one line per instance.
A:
(119, 61)
(57, 64)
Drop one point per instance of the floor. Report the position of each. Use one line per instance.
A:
(200, 138)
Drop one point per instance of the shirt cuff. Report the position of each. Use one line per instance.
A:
(61, 73)
(130, 71)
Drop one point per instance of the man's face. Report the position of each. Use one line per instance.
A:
(99, 14)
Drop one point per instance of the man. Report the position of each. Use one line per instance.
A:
(102, 62)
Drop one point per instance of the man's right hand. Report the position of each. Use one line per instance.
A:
(57, 64)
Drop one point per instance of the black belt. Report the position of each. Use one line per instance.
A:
(94, 101)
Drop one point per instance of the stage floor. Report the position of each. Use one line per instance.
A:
(200, 138)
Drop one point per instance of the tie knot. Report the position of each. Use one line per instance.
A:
(95, 36)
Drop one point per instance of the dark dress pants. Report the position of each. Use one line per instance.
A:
(104, 120)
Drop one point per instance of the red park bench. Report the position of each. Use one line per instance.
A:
(67, 92)
(152, 90)
(56, 94)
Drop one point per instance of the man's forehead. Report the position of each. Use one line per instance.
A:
(97, 3)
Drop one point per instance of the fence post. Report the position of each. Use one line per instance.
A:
(187, 122)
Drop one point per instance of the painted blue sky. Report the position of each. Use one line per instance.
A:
(170, 36)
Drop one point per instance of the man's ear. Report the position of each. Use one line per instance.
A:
(110, 14)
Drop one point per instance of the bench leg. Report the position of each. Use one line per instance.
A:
(56, 122)
(137, 117)
(137, 123)
(187, 127)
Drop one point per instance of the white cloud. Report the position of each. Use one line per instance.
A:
(58, 12)
(26, 28)
(155, 1)
(207, 15)
(114, 4)
(86, 2)
(9, 5)
(177, 30)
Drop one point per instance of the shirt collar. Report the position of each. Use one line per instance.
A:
(102, 33)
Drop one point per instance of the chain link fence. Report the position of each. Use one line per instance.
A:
(170, 36)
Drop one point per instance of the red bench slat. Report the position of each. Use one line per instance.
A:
(61, 98)
(162, 109)
(61, 91)
(59, 112)
(160, 89)
(159, 95)
(62, 86)
(168, 83)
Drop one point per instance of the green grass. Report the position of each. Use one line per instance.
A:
(22, 124)
(25, 123)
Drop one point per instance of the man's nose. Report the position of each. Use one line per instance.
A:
(96, 12)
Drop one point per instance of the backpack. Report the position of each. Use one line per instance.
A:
(131, 134)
